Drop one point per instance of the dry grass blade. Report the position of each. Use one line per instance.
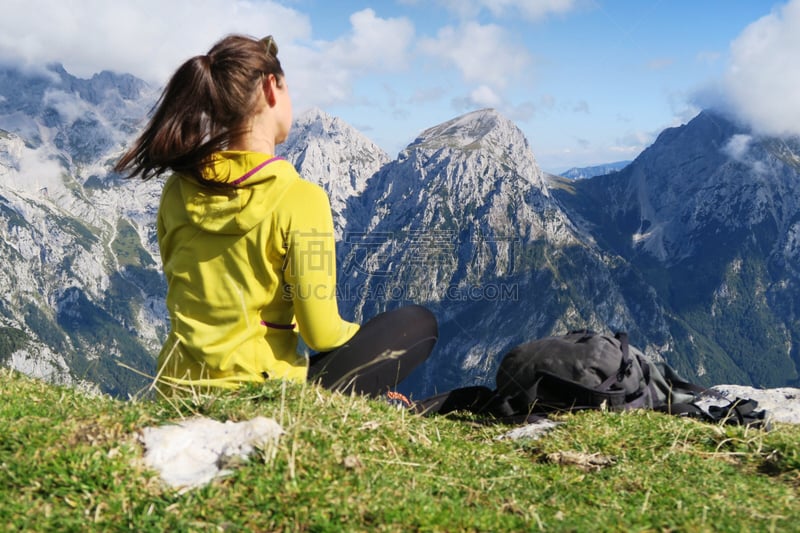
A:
(585, 461)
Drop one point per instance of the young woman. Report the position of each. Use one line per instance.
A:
(248, 246)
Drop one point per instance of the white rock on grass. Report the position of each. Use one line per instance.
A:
(533, 431)
(191, 453)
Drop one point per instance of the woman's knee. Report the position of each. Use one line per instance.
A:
(417, 317)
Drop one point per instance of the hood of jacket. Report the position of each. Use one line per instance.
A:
(251, 185)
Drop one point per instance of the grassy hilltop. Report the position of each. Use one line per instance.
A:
(70, 462)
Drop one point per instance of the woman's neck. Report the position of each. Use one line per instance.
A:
(251, 143)
(257, 136)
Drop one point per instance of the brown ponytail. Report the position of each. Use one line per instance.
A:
(204, 105)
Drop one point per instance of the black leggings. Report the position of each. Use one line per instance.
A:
(380, 355)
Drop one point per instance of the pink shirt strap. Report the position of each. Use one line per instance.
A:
(256, 168)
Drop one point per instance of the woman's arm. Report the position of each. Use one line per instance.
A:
(310, 270)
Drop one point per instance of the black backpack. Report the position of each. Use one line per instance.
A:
(586, 370)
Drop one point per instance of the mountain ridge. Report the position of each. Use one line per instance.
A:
(463, 220)
(579, 173)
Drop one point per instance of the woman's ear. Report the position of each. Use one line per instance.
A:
(269, 85)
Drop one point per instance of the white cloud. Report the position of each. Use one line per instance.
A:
(484, 96)
(429, 94)
(626, 150)
(324, 72)
(314, 80)
(631, 144)
(660, 63)
(737, 147)
(529, 9)
(147, 38)
(30, 169)
(764, 74)
(39, 170)
(374, 43)
(548, 101)
(151, 38)
(521, 112)
(69, 106)
(481, 53)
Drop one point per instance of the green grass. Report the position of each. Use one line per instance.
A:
(11, 340)
(69, 462)
(127, 246)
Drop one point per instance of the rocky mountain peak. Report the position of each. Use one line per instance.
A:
(28, 91)
(705, 136)
(481, 149)
(710, 171)
(81, 118)
(485, 128)
(128, 87)
(316, 123)
(328, 151)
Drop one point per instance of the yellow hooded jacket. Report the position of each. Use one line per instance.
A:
(249, 265)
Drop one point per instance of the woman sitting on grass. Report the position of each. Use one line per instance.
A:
(248, 246)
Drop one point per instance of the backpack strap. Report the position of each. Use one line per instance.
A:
(625, 364)
(683, 409)
(478, 400)
(740, 412)
(474, 399)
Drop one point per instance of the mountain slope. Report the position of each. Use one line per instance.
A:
(81, 286)
(693, 248)
(710, 215)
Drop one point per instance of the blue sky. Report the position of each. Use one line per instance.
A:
(588, 81)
